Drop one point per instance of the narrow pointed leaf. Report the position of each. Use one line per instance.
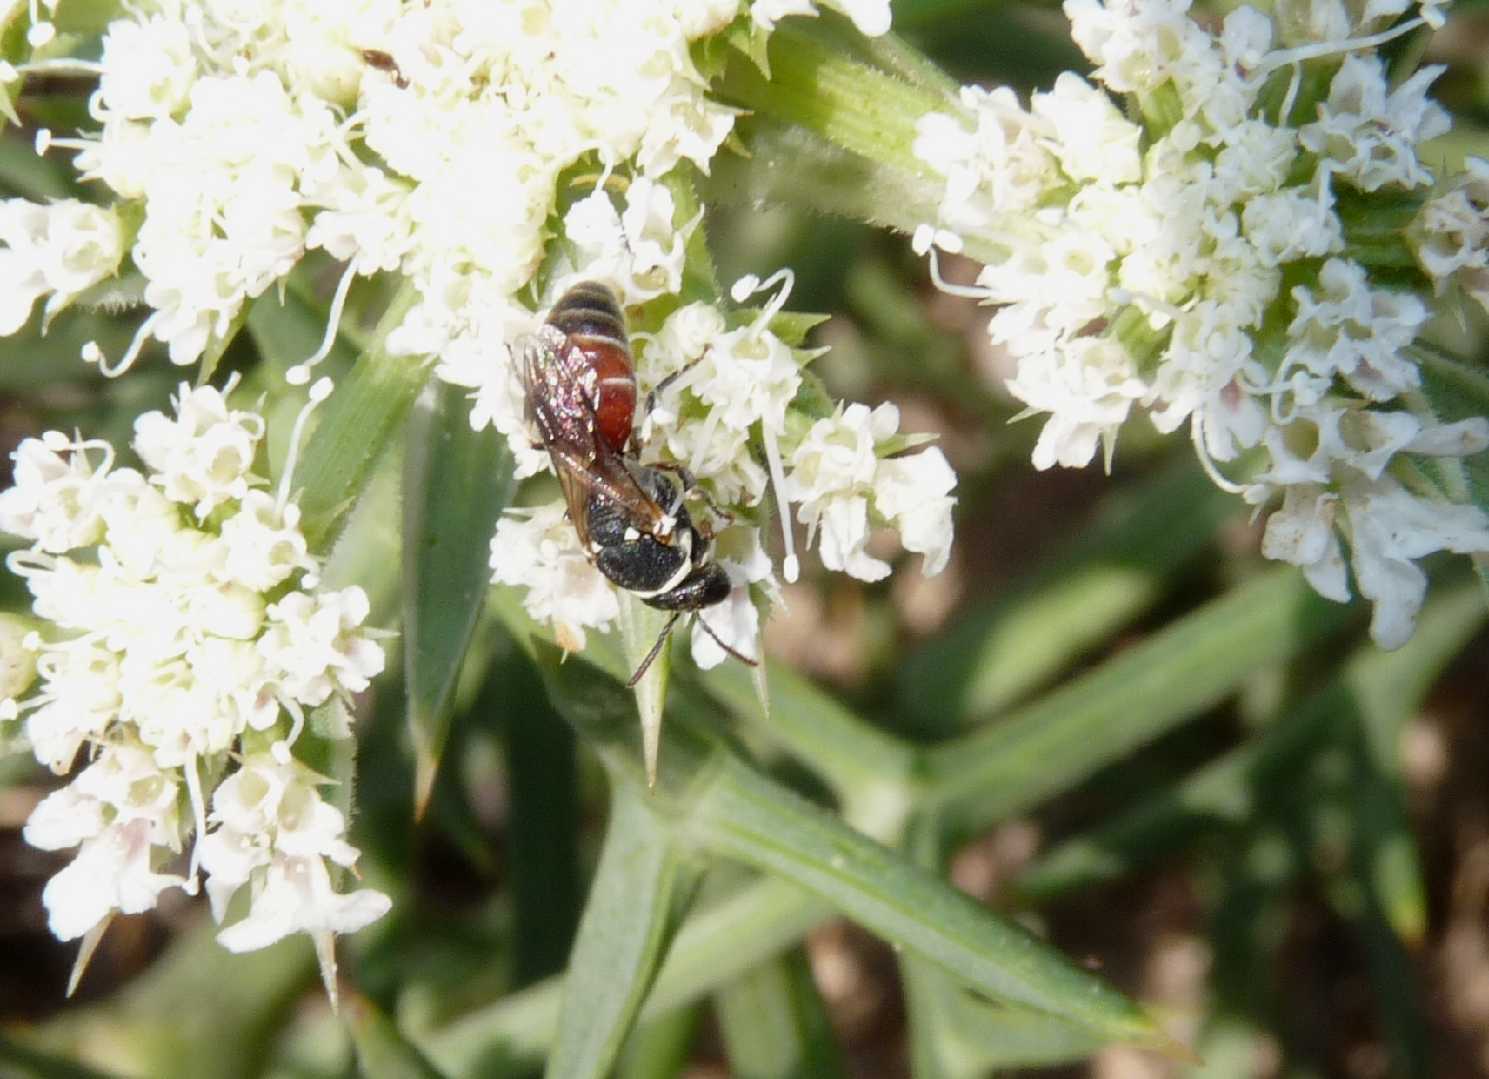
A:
(19, 1062)
(969, 1038)
(1119, 566)
(855, 106)
(1231, 789)
(382, 1052)
(659, 1049)
(354, 426)
(775, 1025)
(456, 482)
(715, 945)
(720, 804)
(632, 910)
(1057, 741)
(641, 629)
(745, 816)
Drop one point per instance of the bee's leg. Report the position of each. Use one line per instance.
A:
(690, 486)
(746, 660)
(656, 649)
(660, 388)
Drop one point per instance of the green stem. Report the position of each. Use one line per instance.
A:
(853, 105)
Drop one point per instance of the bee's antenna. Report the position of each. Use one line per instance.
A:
(655, 650)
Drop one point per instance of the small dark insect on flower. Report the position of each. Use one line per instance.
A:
(580, 385)
(384, 61)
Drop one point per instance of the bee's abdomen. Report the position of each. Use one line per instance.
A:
(595, 339)
(589, 310)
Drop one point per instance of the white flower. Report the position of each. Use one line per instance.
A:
(112, 872)
(56, 500)
(312, 640)
(273, 829)
(148, 68)
(121, 813)
(159, 649)
(1091, 139)
(914, 494)
(1452, 241)
(297, 897)
(1290, 225)
(263, 543)
(736, 621)
(835, 473)
(1088, 388)
(1302, 532)
(1186, 283)
(1369, 132)
(54, 250)
(1350, 329)
(203, 455)
(1391, 528)
(539, 549)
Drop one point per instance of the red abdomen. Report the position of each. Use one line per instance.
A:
(615, 390)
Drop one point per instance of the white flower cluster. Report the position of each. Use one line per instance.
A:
(1195, 265)
(423, 136)
(56, 250)
(1453, 242)
(721, 391)
(182, 639)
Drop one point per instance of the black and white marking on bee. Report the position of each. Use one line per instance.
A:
(631, 518)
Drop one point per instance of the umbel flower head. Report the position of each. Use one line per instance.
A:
(427, 138)
(181, 638)
(446, 141)
(1210, 263)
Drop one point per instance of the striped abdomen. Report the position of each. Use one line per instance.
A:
(593, 327)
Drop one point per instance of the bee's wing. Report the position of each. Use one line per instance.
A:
(581, 476)
(562, 408)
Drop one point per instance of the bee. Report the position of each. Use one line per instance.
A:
(631, 519)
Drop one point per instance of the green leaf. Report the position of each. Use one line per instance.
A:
(775, 1024)
(1055, 742)
(869, 770)
(217, 345)
(288, 329)
(642, 629)
(957, 1035)
(540, 852)
(852, 105)
(1120, 565)
(700, 278)
(1239, 785)
(638, 889)
(720, 805)
(659, 1049)
(355, 424)
(24, 174)
(1456, 390)
(716, 944)
(750, 40)
(158, 1026)
(742, 815)
(19, 1062)
(456, 483)
(382, 1052)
